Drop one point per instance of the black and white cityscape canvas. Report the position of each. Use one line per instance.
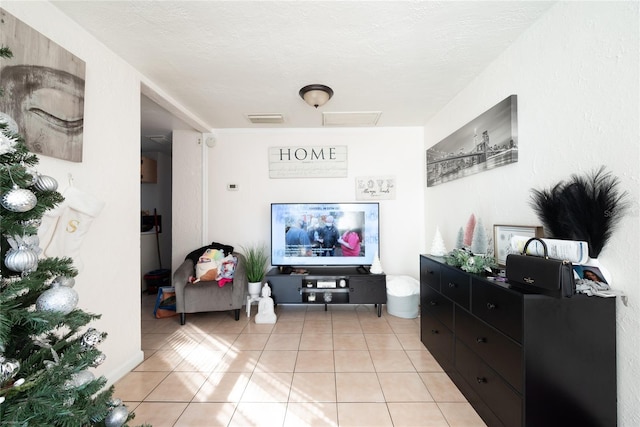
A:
(489, 141)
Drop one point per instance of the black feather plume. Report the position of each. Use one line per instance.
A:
(585, 208)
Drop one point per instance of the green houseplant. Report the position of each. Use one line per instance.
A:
(256, 263)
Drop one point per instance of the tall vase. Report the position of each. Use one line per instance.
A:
(254, 289)
(595, 262)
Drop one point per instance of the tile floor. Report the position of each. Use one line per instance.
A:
(341, 367)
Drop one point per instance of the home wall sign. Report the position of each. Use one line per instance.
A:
(43, 90)
(375, 188)
(487, 142)
(328, 161)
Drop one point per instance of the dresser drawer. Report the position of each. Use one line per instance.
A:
(437, 305)
(430, 272)
(497, 351)
(438, 339)
(455, 284)
(502, 399)
(499, 307)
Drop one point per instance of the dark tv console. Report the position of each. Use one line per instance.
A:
(520, 358)
(328, 285)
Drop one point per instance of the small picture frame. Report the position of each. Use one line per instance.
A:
(502, 237)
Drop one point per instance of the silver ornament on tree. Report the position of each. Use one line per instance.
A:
(22, 260)
(46, 183)
(58, 298)
(90, 339)
(79, 379)
(117, 416)
(18, 199)
(99, 360)
(8, 369)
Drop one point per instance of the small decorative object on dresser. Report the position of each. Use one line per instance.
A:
(502, 235)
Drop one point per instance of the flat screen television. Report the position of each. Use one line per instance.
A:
(324, 234)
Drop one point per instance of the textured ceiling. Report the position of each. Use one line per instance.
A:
(224, 60)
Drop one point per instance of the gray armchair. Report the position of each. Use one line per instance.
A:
(207, 295)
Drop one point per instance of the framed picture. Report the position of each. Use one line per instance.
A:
(502, 237)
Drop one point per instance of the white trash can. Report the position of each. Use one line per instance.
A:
(403, 296)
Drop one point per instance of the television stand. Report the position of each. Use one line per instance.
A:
(328, 285)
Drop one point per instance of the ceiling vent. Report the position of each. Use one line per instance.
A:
(159, 139)
(261, 119)
(362, 118)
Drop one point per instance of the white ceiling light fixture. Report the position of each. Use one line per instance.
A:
(316, 95)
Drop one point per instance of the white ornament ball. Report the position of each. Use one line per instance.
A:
(79, 379)
(46, 183)
(19, 200)
(8, 369)
(21, 260)
(117, 417)
(65, 281)
(58, 298)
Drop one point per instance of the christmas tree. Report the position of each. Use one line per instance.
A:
(47, 349)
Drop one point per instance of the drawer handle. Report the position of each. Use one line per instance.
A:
(481, 380)
(452, 285)
(433, 303)
(435, 331)
(490, 306)
(481, 340)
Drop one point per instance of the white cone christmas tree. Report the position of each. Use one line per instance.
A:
(479, 242)
(437, 246)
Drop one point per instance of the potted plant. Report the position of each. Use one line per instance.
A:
(256, 263)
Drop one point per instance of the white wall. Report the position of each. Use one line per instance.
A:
(242, 217)
(108, 283)
(576, 76)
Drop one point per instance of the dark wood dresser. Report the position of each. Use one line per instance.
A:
(520, 358)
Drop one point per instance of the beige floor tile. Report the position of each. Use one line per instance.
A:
(441, 387)
(277, 361)
(135, 386)
(353, 361)
(316, 312)
(161, 360)
(223, 387)
(313, 387)
(159, 414)
(178, 387)
(363, 414)
(268, 387)
(228, 326)
(423, 361)
(250, 342)
(311, 414)
(315, 361)
(404, 326)
(349, 342)
(377, 325)
(258, 328)
(461, 415)
(258, 415)
(238, 361)
(287, 328)
(201, 361)
(382, 342)
(410, 341)
(403, 387)
(391, 361)
(346, 325)
(221, 342)
(283, 342)
(316, 327)
(154, 341)
(358, 387)
(206, 414)
(417, 414)
(312, 341)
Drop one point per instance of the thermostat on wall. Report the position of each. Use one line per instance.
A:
(232, 187)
